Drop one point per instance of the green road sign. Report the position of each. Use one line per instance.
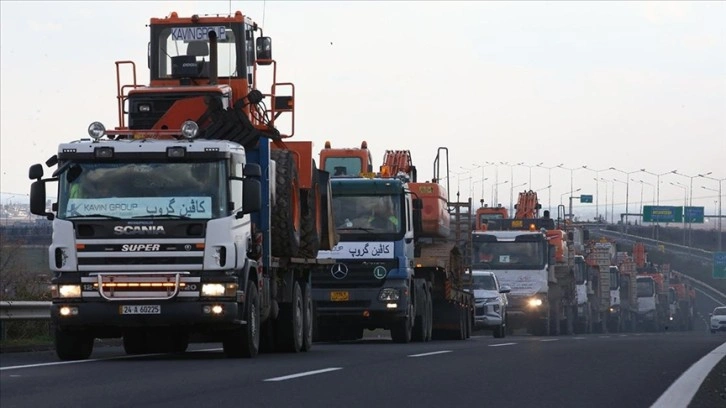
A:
(661, 213)
(719, 265)
(693, 215)
(585, 198)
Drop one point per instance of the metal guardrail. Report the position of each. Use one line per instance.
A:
(24, 310)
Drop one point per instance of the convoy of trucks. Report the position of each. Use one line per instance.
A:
(197, 217)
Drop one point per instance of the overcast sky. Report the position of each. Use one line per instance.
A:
(604, 84)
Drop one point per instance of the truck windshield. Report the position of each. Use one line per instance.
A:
(343, 166)
(139, 190)
(379, 215)
(183, 50)
(510, 255)
(645, 288)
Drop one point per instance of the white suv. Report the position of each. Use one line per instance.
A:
(718, 319)
(491, 303)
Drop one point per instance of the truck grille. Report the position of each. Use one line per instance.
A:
(349, 274)
(155, 254)
(140, 286)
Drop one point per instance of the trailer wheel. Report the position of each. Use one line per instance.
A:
(429, 314)
(308, 318)
(290, 323)
(72, 345)
(245, 341)
(286, 209)
(312, 217)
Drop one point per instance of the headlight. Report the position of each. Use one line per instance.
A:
(96, 130)
(536, 302)
(491, 299)
(219, 289)
(189, 129)
(387, 294)
(66, 291)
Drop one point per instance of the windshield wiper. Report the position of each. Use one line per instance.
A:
(173, 216)
(110, 217)
(356, 229)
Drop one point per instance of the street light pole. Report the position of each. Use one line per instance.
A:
(690, 203)
(626, 199)
(627, 193)
(597, 180)
(495, 187)
(657, 188)
(685, 202)
(549, 181)
(597, 193)
(720, 197)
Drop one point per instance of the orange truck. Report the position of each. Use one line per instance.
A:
(196, 215)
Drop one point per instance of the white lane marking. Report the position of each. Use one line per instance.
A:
(430, 354)
(681, 392)
(544, 340)
(604, 337)
(56, 363)
(304, 374)
(623, 335)
(502, 344)
(578, 338)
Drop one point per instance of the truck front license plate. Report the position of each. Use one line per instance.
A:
(339, 296)
(140, 309)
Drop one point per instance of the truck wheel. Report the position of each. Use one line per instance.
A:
(286, 209)
(308, 317)
(419, 325)
(135, 342)
(402, 328)
(429, 314)
(72, 345)
(311, 224)
(290, 323)
(245, 341)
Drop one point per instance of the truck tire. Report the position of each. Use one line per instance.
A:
(286, 209)
(245, 341)
(419, 325)
(402, 328)
(429, 314)
(308, 318)
(72, 345)
(311, 223)
(290, 323)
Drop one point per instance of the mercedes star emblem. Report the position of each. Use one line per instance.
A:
(339, 271)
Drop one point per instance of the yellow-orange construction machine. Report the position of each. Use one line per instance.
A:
(196, 215)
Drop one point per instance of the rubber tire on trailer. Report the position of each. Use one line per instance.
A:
(286, 209)
(308, 318)
(418, 333)
(311, 223)
(402, 328)
(134, 342)
(245, 341)
(71, 345)
(429, 314)
(290, 323)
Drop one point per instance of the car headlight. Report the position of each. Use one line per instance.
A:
(66, 291)
(535, 302)
(219, 289)
(388, 294)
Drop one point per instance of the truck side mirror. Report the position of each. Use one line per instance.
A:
(263, 46)
(505, 289)
(37, 199)
(35, 172)
(251, 195)
(252, 170)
